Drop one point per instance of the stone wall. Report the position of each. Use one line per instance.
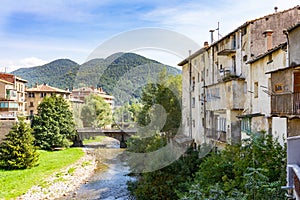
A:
(5, 126)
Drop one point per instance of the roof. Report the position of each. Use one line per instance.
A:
(92, 90)
(280, 46)
(200, 51)
(283, 69)
(293, 27)
(252, 21)
(46, 88)
(76, 100)
(21, 80)
(250, 115)
(235, 30)
(6, 82)
(83, 89)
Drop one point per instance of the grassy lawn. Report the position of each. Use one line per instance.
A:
(93, 139)
(16, 182)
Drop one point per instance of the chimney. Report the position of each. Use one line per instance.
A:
(206, 44)
(212, 36)
(275, 8)
(269, 39)
(36, 84)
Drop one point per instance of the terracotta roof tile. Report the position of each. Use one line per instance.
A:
(46, 88)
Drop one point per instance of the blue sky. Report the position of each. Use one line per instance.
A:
(34, 32)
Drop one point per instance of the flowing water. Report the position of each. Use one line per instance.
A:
(109, 180)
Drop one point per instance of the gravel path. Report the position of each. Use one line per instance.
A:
(65, 181)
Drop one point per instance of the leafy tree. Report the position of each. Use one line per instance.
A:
(96, 112)
(253, 170)
(17, 151)
(127, 113)
(54, 124)
(167, 94)
(162, 183)
(165, 183)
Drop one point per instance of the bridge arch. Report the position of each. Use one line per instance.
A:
(86, 133)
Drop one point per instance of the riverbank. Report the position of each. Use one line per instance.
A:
(65, 181)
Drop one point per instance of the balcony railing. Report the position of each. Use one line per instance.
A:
(285, 104)
(216, 135)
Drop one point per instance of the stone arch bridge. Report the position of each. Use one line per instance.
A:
(121, 135)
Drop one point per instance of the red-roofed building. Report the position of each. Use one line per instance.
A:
(36, 95)
(81, 93)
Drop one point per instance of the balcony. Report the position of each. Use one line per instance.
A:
(216, 135)
(227, 74)
(226, 52)
(226, 95)
(8, 106)
(8, 115)
(285, 104)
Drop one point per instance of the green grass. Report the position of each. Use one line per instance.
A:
(14, 183)
(93, 139)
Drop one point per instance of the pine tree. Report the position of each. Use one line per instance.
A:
(17, 151)
(54, 124)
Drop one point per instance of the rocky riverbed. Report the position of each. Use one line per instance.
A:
(65, 181)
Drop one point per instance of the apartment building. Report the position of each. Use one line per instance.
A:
(81, 93)
(285, 103)
(12, 96)
(36, 95)
(214, 107)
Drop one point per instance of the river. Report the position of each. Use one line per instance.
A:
(109, 180)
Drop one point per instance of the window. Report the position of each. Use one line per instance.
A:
(31, 104)
(31, 113)
(193, 102)
(4, 105)
(221, 124)
(256, 90)
(193, 123)
(43, 94)
(270, 58)
(244, 31)
(245, 125)
(193, 84)
(13, 105)
(31, 95)
(278, 87)
(198, 77)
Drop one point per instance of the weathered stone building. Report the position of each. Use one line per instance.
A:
(285, 103)
(219, 85)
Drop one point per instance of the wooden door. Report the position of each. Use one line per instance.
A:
(297, 93)
(297, 82)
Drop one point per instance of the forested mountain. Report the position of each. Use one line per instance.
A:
(59, 73)
(121, 75)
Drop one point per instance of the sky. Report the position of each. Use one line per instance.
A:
(35, 32)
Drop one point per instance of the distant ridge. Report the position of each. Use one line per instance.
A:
(120, 74)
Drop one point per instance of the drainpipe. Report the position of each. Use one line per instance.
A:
(204, 102)
(288, 63)
(190, 95)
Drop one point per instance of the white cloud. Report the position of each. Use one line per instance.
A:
(11, 65)
(196, 18)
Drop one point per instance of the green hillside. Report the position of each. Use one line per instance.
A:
(60, 73)
(121, 75)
